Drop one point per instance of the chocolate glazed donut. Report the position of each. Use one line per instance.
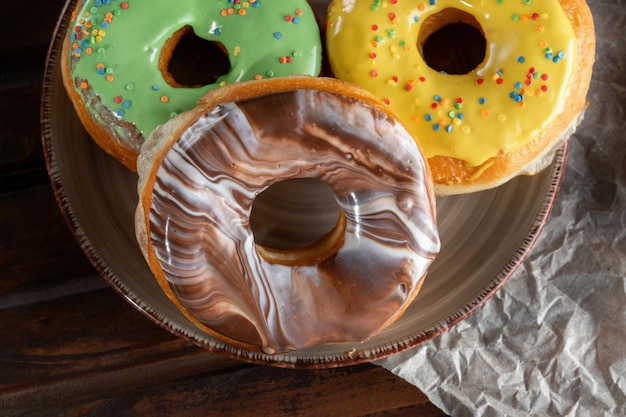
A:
(198, 192)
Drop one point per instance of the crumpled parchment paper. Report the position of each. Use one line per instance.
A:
(552, 341)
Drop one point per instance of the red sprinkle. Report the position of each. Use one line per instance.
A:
(374, 28)
(372, 55)
(124, 5)
(374, 73)
(499, 81)
(545, 77)
(480, 81)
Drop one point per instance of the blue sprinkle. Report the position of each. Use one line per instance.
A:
(428, 117)
(561, 54)
(101, 71)
(120, 112)
(256, 4)
(105, 24)
(449, 128)
(78, 51)
(437, 97)
(278, 35)
(84, 43)
(436, 127)
(156, 87)
(416, 19)
(482, 100)
(98, 3)
(296, 20)
(432, 2)
(217, 31)
(460, 116)
(126, 104)
(555, 59)
(512, 94)
(549, 55)
(521, 59)
(499, 72)
(518, 85)
(106, 2)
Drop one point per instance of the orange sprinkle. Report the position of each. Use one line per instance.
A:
(231, 10)
(242, 12)
(164, 99)
(484, 113)
(109, 15)
(84, 85)
(100, 66)
(89, 51)
(421, 7)
(258, 77)
(298, 12)
(224, 13)
(110, 78)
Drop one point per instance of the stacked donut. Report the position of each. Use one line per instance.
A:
(227, 101)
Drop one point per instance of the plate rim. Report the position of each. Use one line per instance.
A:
(351, 357)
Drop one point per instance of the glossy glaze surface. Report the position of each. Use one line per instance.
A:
(204, 192)
(509, 98)
(115, 48)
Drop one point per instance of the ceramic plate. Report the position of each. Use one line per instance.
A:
(485, 236)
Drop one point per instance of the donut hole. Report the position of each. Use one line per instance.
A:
(297, 222)
(188, 61)
(452, 41)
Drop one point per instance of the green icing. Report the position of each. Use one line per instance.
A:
(116, 58)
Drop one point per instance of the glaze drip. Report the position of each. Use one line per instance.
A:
(203, 195)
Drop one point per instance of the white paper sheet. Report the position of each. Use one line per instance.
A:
(552, 341)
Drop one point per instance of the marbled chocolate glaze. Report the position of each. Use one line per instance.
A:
(203, 195)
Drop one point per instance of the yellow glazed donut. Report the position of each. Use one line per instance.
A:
(489, 88)
(200, 175)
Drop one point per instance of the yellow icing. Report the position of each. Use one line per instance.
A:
(518, 89)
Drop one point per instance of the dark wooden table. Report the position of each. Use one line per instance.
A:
(70, 346)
